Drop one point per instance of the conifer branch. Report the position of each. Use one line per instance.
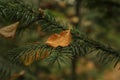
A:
(14, 11)
(49, 23)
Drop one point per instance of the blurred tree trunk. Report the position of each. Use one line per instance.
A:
(77, 25)
(78, 12)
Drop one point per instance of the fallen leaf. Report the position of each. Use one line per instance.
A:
(41, 56)
(9, 31)
(63, 39)
(45, 55)
(17, 75)
(27, 60)
(33, 56)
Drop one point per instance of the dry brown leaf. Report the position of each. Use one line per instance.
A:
(45, 55)
(39, 56)
(33, 56)
(17, 75)
(28, 60)
(9, 31)
(63, 39)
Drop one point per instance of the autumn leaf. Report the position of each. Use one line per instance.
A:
(9, 31)
(17, 75)
(45, 55)
(63, 39)
(28, 60)
(41, 56)
(33, 56)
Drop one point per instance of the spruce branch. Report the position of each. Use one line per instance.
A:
(15, 11)
(3, 70)
(29, 53)
(48, 23)
(96, 44)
